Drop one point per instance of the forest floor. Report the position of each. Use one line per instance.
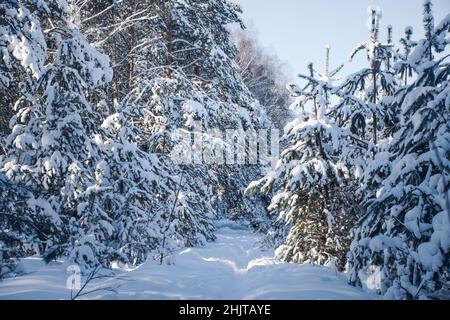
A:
(233, 267)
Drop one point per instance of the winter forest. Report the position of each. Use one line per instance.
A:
(153, 149)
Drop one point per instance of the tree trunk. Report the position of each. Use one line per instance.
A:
(374, 115)
(169, 38)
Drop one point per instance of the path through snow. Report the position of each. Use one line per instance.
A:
(233, 267)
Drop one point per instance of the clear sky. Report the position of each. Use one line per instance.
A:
(298, 30)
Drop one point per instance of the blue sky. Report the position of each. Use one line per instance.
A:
(298, 30)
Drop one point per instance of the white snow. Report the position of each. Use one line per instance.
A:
(25, 44)
(430, 256)
(379, 243)
(441, 227)
(371, 281)
(412, 222)
(194, 107)
(233, 267)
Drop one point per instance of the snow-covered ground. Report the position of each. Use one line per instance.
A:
(233, 267)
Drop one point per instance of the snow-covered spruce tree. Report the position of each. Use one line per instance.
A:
(193, 78)
(402, 67)
(164, 120)
(185, 221)
(22, 231)
(403, 70)
(390, 54)
(154, 212)
(360, 109)
(26, 228)
(51, 151)
(231, 106)
(23, 43)
(138, 187)
(23, 46)
(310, 182)
(402, 244)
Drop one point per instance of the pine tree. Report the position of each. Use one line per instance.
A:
(24, 52)
(194, 79)
(27, 224)
(402, 67)
(144, 188)
(12, 210)
(310, 180)
(403, 240)
(25, 44)
(124, 31)
(360, 108)
(51, 150)
(23, 232)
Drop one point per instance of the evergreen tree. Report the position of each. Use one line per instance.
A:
(360, 109)
(310, 182)
(27, 226)
(137, 188)
(402, 67)
(25, 48)
(144, 190)
(194, 79)
(403, 239)
(24, 52)
(23, 232)
(51, 150)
